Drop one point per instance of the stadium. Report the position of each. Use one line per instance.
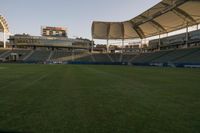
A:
(54, 83)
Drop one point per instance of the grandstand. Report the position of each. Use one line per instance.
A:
(175, 54)
(191, 59)
(127, 58)
(88, 58)
(177, 50)
(177, 57)
(60, 53)
(39, 56)
(101, 58)
(115, 57)
(34, 42)
(176, 41)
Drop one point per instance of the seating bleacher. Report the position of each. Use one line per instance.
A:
(86, 58)
(5, 54)
(115, 57)
(127, 57)
(173, 55)
(2, 51)
(192, 58)
(101, 58)
(22, 53)
(60, 53)
(39, 56)
(169, 53)
(148, 57)
(194, 37)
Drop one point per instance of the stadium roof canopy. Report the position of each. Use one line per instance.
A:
(166, 16)
(3, 25)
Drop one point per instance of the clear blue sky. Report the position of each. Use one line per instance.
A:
(27, 16)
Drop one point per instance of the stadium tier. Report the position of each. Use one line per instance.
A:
(60, 53)
(28, 41)
(174, 55)
(176, 41)
(148, 57)
(178, 57)
(85, 59)
(193, 58)
(39, 56)
(3, 53)
(127, 58)
(102, 58)
(115, 57)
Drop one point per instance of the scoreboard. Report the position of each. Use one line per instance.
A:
(54, 31)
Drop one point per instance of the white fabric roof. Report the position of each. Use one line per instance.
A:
(3, 25)
(166, 16)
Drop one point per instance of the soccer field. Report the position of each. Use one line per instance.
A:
(99, 99)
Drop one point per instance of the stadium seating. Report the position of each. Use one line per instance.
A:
(5, 55)
(175, 41)
(174, 55)
(185, 56)
(22, 53)
(192, 58)
(148, 57)
(194, 37)
(39, 56)
(126, 58)
(153, 44)
(115, 57)
(179, 56)
(60, 53)
(2, 52)
(189, 55)
(86, 58)
(101, 58)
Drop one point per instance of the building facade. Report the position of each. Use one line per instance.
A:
(27, 41)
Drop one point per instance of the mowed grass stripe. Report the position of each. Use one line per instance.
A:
(89, 98)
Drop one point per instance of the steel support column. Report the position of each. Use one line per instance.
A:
(186, 37)
(159, 43)
(92, 47)
(123, 49)
(4, 39)
(107, 46)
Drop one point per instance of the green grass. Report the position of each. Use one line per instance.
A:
(99, 99)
